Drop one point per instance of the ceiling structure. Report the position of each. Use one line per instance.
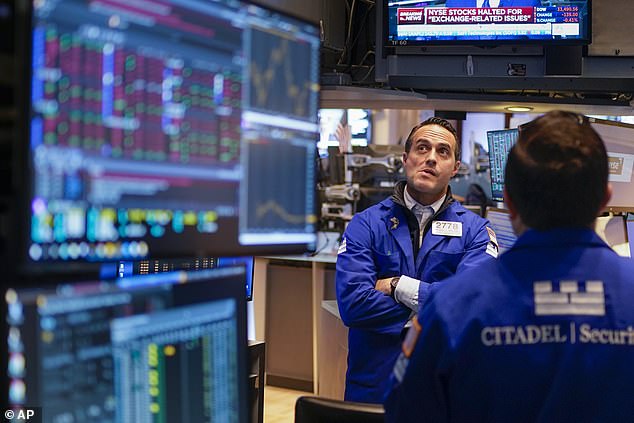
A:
(376, 98)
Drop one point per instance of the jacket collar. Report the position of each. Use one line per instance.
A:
(398, 197)
(560, 237)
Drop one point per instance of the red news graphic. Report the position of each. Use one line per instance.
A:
(410, 16)
(465, 15)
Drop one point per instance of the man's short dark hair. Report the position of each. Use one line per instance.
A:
(557, 173)
(435, 121)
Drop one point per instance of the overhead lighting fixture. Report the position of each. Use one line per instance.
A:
(518, 109)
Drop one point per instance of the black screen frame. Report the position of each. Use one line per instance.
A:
(418, 46)
(214, 284)
(22, 186)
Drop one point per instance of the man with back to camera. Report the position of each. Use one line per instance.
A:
(383, 270)
(546, 332)
(493, 3)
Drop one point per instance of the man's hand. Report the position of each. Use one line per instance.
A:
(344, 136)
(383, 285)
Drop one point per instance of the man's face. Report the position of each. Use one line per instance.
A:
(430, 163)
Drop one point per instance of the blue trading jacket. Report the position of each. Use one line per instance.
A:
(376, 245)
(545, 333)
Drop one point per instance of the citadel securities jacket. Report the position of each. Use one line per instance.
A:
(378, 244)
(545, 333)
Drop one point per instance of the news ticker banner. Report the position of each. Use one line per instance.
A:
(477, 15)
(501, 21)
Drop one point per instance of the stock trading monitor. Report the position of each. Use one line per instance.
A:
(147, 267)
(156, 348)
(166, 128)
(417, 23)
(500, 143)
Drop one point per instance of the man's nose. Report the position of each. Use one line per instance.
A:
(431, 157)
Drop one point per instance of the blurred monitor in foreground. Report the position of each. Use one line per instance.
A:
(146, 267)
(166, 347)
(186, 128)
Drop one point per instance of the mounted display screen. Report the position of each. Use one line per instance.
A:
(418, 23)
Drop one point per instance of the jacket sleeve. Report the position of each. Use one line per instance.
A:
(418, 388)
(476, 250)
(360, 304)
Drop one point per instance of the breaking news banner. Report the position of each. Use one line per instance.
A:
(464, 15)
(22, 414)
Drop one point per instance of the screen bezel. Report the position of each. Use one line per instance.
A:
(23, 267)
(596, 121)
(414, 46)
(225, 287)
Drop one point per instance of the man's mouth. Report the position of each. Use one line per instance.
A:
(429, 171)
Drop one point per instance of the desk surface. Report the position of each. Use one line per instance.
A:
(319, 258)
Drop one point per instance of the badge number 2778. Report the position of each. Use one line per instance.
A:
(440, 227)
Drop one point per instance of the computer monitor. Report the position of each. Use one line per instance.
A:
(176, 128)
(359, 120)
(500, 143)
(168, 347)
(125, 269)
(501, 225)
(617, 137)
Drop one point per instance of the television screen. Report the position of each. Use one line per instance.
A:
(166, 128)
(488, 21)
(500, 143)
(168, 347)
(617, 138)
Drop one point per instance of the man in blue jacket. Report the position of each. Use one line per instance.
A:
(546, 332)
(391, 254)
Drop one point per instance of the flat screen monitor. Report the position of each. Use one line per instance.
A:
(125, 269)
(170, 347)
(500, 143)
(473, 22)
(619, 142)
(501, 224)
(167, 128)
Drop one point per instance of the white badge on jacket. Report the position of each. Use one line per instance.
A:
(442, 227)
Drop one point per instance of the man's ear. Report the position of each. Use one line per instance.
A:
(510, 205)
(607, 197)
(516, 220)
(455, 168)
